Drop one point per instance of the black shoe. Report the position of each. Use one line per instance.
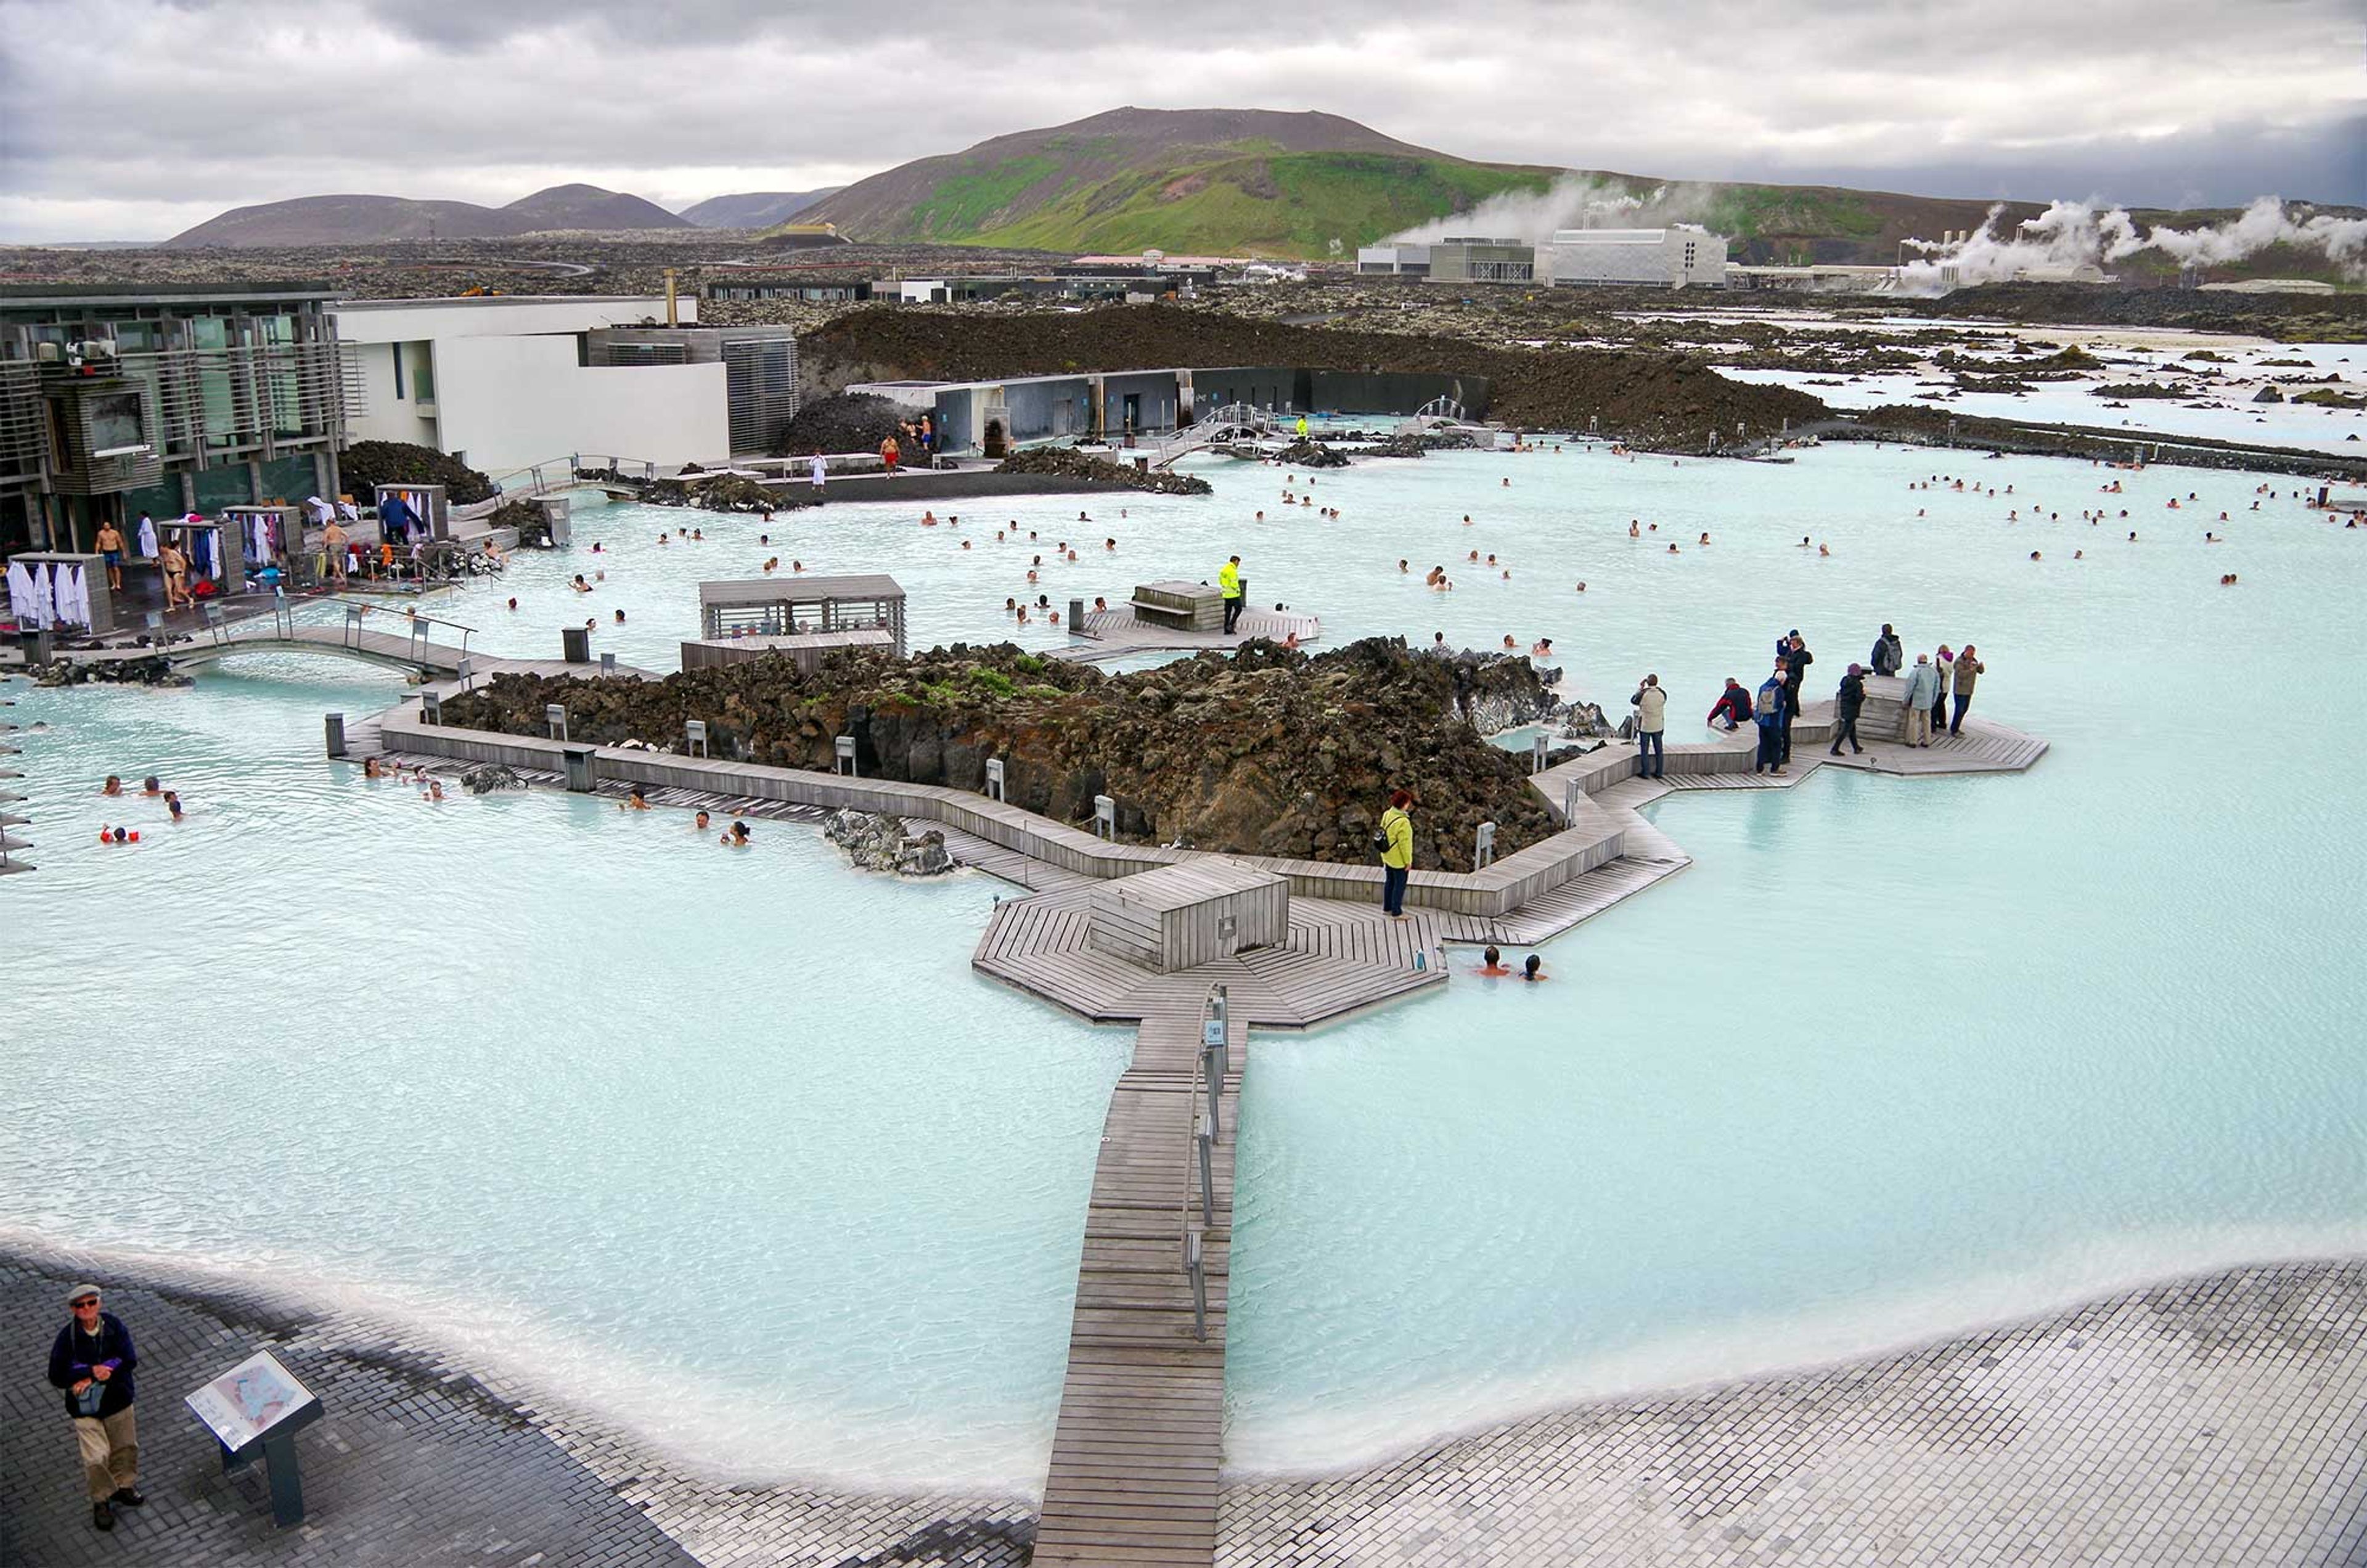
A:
(1834, 753)
(102, 1516)
(129, 1496)
(1857, 750)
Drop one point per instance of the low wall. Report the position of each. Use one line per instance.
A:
(1595, 840)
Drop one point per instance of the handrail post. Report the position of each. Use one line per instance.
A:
(1204, 1141)
(1196, 1265)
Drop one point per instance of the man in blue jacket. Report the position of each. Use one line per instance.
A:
(92, 1362)
(1767, 708)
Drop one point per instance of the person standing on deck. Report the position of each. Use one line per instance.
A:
(1651, 706)
(1767, 710)
(1848, 701)
(92, 1362)
(1889, 655)
(1228, 583)
(1968, 670)
(1922, 685)
(1797, 660)
(821, 472)
(1396, 854)
(888, 450)
(333, 550)
(1944, 664)
(111, 548)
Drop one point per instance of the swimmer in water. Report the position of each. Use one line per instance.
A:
(580, 585)
(1100, 604)
(114, 785)
(636, 801)
(1533, 968)
(434, 794)
(620, 617)
(737, 838)
(1542, 649)
(1634, 532)
(513, 603)
(699, 821)
(1402, 568)
(150, 787)
(370, 768)
(1495, 962)
(1582, 585)
(1509, 643)
(173, 805)
(1672, 548)
(1705, 539)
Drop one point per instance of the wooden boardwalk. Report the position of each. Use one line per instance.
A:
(1140, 1437)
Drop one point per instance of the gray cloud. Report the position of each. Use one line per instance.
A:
(209, 106)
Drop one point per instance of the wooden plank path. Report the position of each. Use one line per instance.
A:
(1140, 1437)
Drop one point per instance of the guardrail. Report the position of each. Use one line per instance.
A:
(1209, 1068)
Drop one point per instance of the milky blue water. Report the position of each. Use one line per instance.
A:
(590, 1097)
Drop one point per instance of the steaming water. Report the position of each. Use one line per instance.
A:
(654, 1121)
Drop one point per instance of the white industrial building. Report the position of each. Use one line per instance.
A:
(1683, 255)
(1394, 260)
(504, 381)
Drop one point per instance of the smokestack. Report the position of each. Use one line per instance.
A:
(672, 319)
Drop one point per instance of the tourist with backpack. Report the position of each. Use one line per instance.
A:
(1767, 711)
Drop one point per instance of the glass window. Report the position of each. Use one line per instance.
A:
(115, 422)
(423, 371)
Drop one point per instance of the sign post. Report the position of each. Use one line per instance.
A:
(254, 1410)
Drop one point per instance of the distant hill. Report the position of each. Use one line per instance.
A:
(755, 209)
(589, 206)
(1255, 182)
(1259, 181)
(368, 219)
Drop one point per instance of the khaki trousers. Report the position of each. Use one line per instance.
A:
(110, 1451)
(1919, 726)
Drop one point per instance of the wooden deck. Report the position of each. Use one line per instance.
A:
(1118, 631)
(1338, 959)
(1140, 1437)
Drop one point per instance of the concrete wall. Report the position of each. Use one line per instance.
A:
(386, 416)
(390, 320)
(509, 401)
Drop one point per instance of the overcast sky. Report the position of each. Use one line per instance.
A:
(136, 118)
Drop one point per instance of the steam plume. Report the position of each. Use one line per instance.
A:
(2071, 234)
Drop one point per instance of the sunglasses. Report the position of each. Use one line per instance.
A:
(86, 1302)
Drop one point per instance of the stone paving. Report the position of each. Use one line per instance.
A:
(2219, 1420)
(415, 1462)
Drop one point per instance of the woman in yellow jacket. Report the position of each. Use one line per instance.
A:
(1397, 854)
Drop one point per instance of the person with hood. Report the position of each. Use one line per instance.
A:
(1848, 701)
(1889, 655)
(1797, 660)
(1396, 854)
(1652, 705)
(1733, 704)
(1767, 711)
(1969, 669)
(1923, 691)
